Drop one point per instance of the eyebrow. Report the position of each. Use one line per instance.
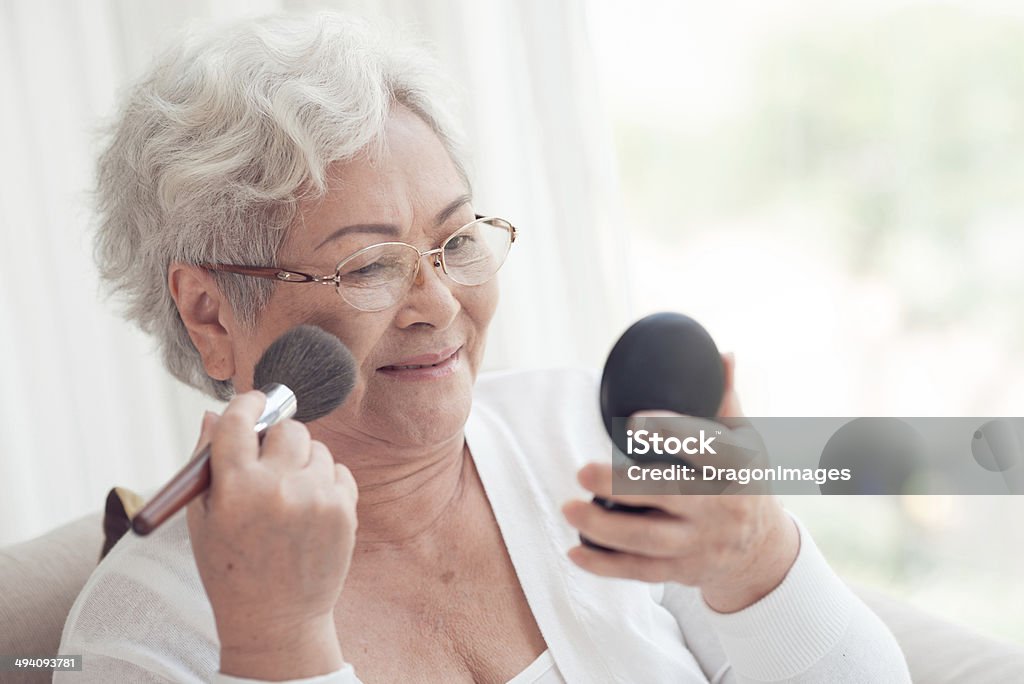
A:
(391, 229)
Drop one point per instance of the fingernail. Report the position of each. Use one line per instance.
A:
(208, 419)
(640, 417)
(636, 422)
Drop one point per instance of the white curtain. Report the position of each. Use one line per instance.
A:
(85, 403)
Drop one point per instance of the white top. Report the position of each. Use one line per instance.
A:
(143, 616)
(540, 671)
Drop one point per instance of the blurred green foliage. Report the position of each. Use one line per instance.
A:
(900, 131)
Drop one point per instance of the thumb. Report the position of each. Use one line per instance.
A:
(206, 430)
(730, 406)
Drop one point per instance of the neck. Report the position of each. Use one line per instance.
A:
(405, 494)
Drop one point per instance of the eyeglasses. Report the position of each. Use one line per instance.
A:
(377, 277)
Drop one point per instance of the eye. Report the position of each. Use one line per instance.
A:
(369, 269)
(366, 269)
(375, 268)
(459, 242)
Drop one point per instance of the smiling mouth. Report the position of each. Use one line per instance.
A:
(431, 365)
(416, 366)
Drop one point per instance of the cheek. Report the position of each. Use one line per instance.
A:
(357, 330)
(277, 317)
(480, 303)
(360, 333)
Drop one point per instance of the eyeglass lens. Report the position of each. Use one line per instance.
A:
(376, 278)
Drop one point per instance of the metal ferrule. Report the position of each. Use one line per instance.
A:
(281, 404)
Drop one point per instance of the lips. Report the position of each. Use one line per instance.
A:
(422, 361)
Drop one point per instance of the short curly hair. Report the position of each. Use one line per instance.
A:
(212, 150)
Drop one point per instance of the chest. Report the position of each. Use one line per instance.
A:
(461, 617)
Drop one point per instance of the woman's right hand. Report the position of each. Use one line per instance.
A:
(273, 539)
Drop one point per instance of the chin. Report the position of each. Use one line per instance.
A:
(425, 428)
(420, 413)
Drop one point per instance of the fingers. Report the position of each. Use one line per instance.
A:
(343, 479)
(627, 565)
(234, 442)
(343, 476)
(676, 498)
(696, 434)
(286, 446)
(323, 469)
(654, 534)
(287, 449)
(598, 477)
(320, 462)
(670, 422)
(700, 441)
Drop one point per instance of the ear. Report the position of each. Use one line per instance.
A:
(207, 316)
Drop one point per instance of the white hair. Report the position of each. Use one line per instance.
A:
(213, 149)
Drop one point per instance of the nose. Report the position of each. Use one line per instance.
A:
(430, 299)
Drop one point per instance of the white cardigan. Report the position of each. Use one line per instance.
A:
(144, 617)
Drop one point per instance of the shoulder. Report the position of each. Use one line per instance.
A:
(550, 418)
(542, 397)
(517, 383)
(144, 606)
(550, 404)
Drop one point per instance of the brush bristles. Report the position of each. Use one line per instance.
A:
(312, 363)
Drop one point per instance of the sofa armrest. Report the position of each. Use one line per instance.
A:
(941, 652)
(41, 579)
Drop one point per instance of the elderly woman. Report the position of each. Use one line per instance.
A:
(249, 169)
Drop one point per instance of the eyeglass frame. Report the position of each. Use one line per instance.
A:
(289, 276)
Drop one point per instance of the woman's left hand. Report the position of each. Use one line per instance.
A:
(735, 547)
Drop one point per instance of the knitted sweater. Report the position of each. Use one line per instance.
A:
(144, 617)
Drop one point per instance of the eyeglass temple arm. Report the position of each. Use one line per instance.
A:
(268, 272)
(512, 229)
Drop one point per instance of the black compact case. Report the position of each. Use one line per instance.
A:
(665, 361)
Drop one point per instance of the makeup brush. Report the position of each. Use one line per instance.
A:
(306, 373)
